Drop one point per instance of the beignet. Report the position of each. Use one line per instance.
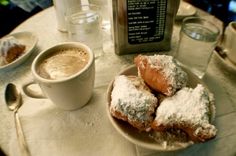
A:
(132, 101)
(189, 110)
(10, 50)
(161, 73)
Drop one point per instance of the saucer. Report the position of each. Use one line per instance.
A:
(225, 63)
(29, 40)
(185, 10)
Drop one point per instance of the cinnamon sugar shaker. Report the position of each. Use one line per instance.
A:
(142, 25)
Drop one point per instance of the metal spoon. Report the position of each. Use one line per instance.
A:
(14, 101)
(221, 51)
(220, 48)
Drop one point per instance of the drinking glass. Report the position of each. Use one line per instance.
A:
(105, 11)
(60, 7)
(198, 38)
(84, 25)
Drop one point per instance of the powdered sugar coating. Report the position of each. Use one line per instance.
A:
(191, 106)
(137, 104)
(170, 69)
(5, 44)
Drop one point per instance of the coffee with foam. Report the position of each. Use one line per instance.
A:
(63, 63)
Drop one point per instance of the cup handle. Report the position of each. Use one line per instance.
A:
(32, 93)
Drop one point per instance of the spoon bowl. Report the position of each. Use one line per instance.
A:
(12, 97)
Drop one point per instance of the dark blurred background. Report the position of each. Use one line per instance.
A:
(14, 12)
(225, 10)
(11, 14)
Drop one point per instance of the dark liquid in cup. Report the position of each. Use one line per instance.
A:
(63, 63)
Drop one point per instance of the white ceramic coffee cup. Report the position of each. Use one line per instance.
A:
(69, 93)
(230, 41)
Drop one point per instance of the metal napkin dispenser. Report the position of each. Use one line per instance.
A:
(142, 25)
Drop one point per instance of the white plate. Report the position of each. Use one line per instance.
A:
(185, 10)
(30, 41)
(225, 63)
(151, 140)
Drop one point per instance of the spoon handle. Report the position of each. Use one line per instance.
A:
(20, 135)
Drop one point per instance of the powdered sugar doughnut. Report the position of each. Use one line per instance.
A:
(161, 73)
(10, 49)
(189, 110)
(132, 101)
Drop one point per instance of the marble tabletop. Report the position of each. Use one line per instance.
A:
(88, 131)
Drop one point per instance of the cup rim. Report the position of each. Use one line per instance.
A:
(232, 26)
(205, 20)
(79, 17)
(50, 50)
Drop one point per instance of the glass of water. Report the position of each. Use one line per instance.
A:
(105, 11)
(198, 38)
(84, 25)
